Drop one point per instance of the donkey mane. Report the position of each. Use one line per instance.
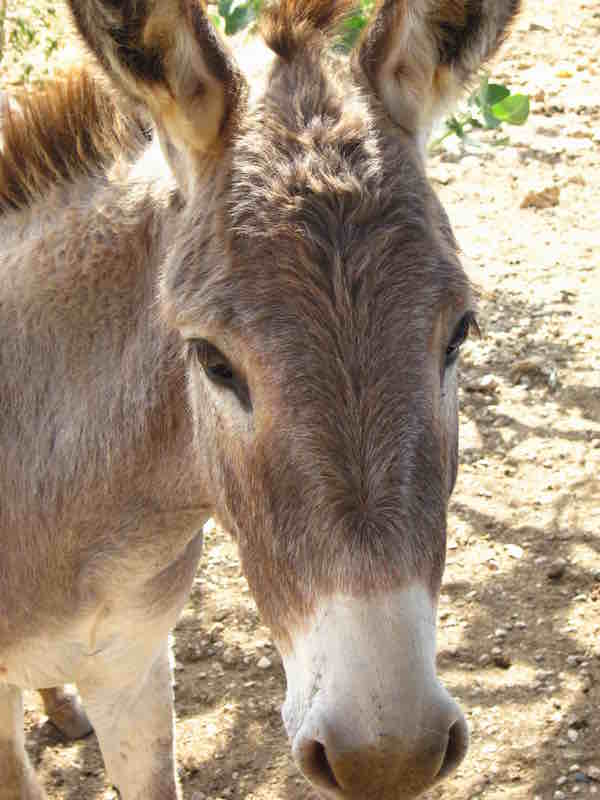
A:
(73, 127)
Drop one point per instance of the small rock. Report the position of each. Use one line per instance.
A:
(564, 71)
(229, 656)
(558, 795)
(572, 735)
(488, 384)
(216, 630)
(557, 569)
(263, 663)
(593, 772)
(542, 22)
(209, 527)
(502, 660)
(484, 660)
(545, 198)
(514, 551)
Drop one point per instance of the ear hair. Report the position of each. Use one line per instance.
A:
(166, 55)
(417, 56)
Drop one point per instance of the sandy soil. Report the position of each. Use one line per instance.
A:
(520, 649)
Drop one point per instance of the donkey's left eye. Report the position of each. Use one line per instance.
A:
(461, 333)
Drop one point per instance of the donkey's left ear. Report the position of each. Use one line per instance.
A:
(418, 54)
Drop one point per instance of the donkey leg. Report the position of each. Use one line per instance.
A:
(17, 779)
(132, 714)
(65, 712)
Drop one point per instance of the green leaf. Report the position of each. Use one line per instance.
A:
(491, 122)
(514, 109)
(494, 93)
(238, 14)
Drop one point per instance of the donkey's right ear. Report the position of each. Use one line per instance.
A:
(166, 55)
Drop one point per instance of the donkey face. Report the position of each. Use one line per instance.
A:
(316, 284)
(321, 346)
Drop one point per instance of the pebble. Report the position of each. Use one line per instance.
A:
(558, 795)
(593, 772)
(263, 663)
(502, 660)
(542, 22)
(572, 735)
(549, 197)
(230, 655)
(557, 569)
(488, 384)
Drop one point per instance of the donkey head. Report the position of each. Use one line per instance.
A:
(316, 283)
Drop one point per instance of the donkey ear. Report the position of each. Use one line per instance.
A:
(418, 55)
(166, 55)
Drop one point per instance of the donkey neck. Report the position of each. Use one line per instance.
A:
(92, 380)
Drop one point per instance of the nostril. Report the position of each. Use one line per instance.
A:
(458, 742)
(313, 762)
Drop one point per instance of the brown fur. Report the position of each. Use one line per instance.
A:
(74, 127)
(289, 26)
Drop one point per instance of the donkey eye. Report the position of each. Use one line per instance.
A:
(218, 369)
(467, 324)
(216, 366)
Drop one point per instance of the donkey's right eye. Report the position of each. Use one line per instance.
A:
(218, 368)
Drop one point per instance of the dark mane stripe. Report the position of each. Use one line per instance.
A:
(288, 26)
(72, 127)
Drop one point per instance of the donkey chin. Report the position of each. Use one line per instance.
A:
(365, 712)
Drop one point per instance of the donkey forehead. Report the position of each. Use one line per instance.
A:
(325, 206)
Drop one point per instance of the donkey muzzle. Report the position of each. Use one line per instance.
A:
(365, 712)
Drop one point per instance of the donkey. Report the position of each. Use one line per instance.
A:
(250, 307)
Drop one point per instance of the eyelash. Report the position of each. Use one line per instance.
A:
(467, 324)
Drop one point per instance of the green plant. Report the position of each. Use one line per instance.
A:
(236, 15)
(354, 24)
(488, 106)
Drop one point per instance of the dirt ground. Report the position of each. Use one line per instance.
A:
(518, 648)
